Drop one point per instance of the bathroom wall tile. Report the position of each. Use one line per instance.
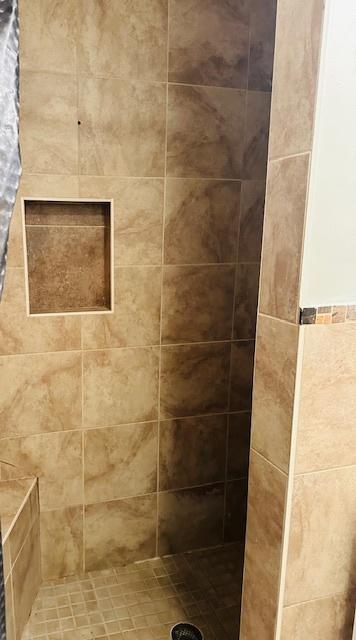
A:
(67, 268)
(197, 303)
(136, 317)
(40, 393)
(247, 281)
(9, 611)
(242, 355)
(283, 237)
(201, 221)
(21, 526)
(120, 39)
(251, 220)
(325, 619)
(6, 552)
(133, 136)
(187, 371)
(295, 77)
(262, 32)
(48, 35)
(326, 428)
(120, 386)
(48, 123)
(120, 462)
(267, 488)
(238, 445)
(138, 215)
(274, 388)
(205, 132)
(235, 510)
(120, 532)
(21, 334)
(35, 455)
(192, 451)
(190, 519)
(256, 137)
(323, 509)
(71, 214)
(208, 42)
(26, 579)
(62, 542)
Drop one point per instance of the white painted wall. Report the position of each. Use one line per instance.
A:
(329, 261)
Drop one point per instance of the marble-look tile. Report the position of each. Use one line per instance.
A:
(26, 579)
(205, 132)
(6, 552)
(323, 509)
(265, 517)
(132, 136)
(35, 455)
(274, 388)
(9, 611)
(62, 542)
(326, 428)
(25, 518)
(21, 334)
(247, 281)
(197, 303)
(40, 393)
(238, 448)
(187, 372)
(283, 237)
(48, 123)
(120, 462)
(235, 511)
(120, 532)
(208, 42)
(192, 451)
(251, 220)
(48, 35)
(323, 619)
(68, 268)
(120, 386)
(242, 355)
(123, 39)
(295, 77)
(190, 518)
(138, 215)
(262, 37)
(256, 135)
(201, 221)
(136, 317)
(67, 214)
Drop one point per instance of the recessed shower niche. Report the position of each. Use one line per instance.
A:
(68, 255)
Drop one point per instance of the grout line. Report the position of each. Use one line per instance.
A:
(289, 157)
(260, 455)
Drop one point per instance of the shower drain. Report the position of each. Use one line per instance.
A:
(186, 631)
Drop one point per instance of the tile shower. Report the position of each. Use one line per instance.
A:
(137, 423)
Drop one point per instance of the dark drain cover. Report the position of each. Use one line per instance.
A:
(186, 631)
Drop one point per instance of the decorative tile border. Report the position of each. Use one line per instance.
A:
(328, 315)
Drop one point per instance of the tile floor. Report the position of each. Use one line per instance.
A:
(143, 600)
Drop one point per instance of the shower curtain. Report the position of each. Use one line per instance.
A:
(10, 166)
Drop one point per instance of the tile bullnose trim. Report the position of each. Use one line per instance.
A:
(331, 314)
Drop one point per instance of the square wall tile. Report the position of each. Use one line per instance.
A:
(247, 281)
(136, 317)
(120, 532)
(187, 371)
(197, 303)
(242, 356)
(251, 220)
(262, 39)
(235, 510)
(133, 136)
(238, 445)
(40, 393)
(208, 42)
(190, 519)
(323, 619)
(48, 123)
(205, 132)
(192, 451)
(62, 542)
(120, 386)
(26, 579)
(120, 39)
(256, 136)
(120, 462)
(138, 216)
(201, 221)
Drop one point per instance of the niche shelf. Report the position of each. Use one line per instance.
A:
(68, 247)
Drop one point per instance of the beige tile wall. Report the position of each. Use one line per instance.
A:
(135, 420)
